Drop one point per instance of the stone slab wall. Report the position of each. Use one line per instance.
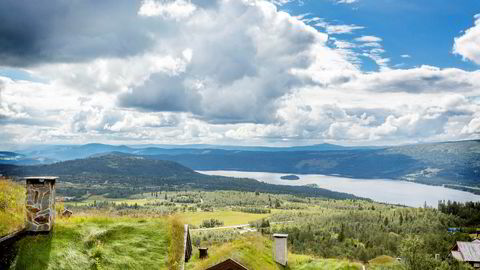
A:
(40, 206)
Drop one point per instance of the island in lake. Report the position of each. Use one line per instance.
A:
(289, 177)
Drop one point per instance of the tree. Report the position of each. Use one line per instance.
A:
(412, 250)
(277, 204)
(341, 235)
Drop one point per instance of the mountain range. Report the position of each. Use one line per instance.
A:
(432, 163)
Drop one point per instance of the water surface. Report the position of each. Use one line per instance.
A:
(383, 190)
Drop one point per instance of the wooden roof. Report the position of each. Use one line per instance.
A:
(228, 264)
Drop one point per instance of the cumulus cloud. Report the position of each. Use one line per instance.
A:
(468, 45)
(177, 9)
(423, 79)
(238, 69)
(205, 71)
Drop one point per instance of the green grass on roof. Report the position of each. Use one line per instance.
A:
(98, 243)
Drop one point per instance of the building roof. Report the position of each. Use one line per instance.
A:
(41, 177)
(470, 251)
(280, 235)
(457, 255)
(228, 264)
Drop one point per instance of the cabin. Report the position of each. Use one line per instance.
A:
(40, 203)
(467, 252)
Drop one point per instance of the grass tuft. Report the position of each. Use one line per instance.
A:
(12, 206)
(176, 242)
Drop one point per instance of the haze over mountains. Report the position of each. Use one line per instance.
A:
(433, 163)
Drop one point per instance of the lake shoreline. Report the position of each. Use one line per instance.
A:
(391, 191)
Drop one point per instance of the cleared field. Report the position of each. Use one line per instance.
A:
(100, 243)
(229, 218)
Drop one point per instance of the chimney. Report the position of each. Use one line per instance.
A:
(280, 249)
(40, 203)
(203, 253)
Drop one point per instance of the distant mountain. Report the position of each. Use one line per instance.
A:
(16, 158)
(140, 172)
(434, 163)
(316, 147)
(431, 163)
(55, 153)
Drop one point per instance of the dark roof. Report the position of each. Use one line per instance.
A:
(228, 264)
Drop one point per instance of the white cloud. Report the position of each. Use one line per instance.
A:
(369, 39)
(346, 1)
(170, 9)
(333, 29)
(240, 72)
(405, 56)
(468, 45)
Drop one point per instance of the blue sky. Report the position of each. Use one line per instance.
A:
(423, 29)
(243, 72)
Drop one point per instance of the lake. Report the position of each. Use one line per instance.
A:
(380, 190)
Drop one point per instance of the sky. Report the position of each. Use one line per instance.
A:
(239, 72)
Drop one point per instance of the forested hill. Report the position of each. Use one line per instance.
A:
(117, 169)
(455, 163)
(434, 163)
(111, 164)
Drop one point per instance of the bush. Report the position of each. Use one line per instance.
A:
(211, 223)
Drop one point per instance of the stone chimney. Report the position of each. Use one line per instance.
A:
(280, 248)
(40, 203)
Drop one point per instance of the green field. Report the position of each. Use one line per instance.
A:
(229, 218)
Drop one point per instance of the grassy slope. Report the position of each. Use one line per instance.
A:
(256, 252)
(12, 204)
(99, 243)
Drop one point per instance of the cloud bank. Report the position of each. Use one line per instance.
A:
(225, 71)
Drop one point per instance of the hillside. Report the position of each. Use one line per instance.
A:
(121, 174)
(436, 163)
(455, 163)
